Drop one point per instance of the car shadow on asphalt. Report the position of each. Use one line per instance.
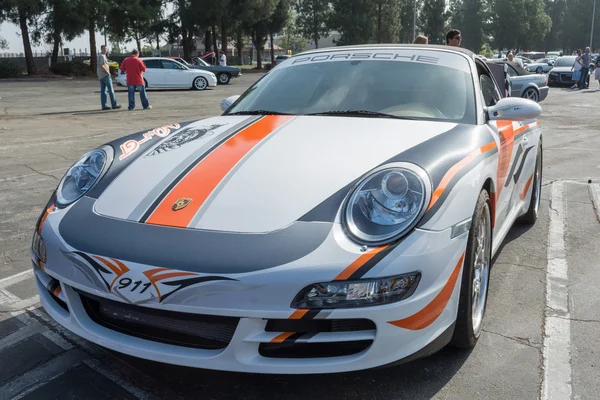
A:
(514, 233)
(419, 379)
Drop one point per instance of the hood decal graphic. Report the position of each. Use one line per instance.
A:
(183, 137)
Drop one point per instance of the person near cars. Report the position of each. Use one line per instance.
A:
(421, 39)
(453, 38)
(511, 57)
(597, 73)
(133, 66)
(223, 59)
(576, 70)
(105, 81)
(585, 60)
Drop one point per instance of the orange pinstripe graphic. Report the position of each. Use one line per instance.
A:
(46, 213)
(119, 271)
(280, 338)
(298, 314)
(109, 265)
(524, 193)
(57, 291)
(359, 262)
(42, 265)
(170, 275)
(454, 170)
(202, 180)
(434, 309)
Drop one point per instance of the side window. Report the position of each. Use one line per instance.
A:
(512, 72)
(153, 64)
(170, 65)
(488, 90)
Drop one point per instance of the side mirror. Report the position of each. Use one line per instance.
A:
(514, 109)
(225, 104)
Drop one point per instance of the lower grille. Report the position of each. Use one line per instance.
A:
(566, 77)
(319, 325)
(313, 350)
(182, 329)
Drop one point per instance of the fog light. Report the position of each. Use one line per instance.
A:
(362, 293)
(39, 247)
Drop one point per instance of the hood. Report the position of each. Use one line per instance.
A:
(254, 174)
(561, 69)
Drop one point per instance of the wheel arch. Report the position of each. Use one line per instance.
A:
(490, 187)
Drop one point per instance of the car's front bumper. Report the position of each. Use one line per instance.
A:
(259, 331)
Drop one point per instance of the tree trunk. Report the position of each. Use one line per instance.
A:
(316, 43)
(272, 51)
(239, 43)
(29, 61)
(379, 23)
(224, 34)
(157, 41)
(207, 41)
(138, 43)
(187, 51)
(55, 48)
(214, 43)
(93, 55)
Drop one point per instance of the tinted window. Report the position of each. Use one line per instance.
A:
(512, 72)
(488, 90)
(170, 65)
(565, 62)
(152, 64)
(400, 86)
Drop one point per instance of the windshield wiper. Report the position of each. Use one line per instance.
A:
(360, 113)
(259, 112)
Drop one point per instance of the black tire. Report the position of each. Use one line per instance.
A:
(539, 70)
(223, 78)
(464, 335)
(531, 215)
(200, 83)
(531, 93)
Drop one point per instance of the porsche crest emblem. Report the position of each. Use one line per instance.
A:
(181, 203)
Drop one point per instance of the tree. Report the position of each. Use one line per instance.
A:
(93, 11)
(133, 19)
(62, 20)
(354, 20)
(469, 17)
(312, 19)
(291, 39)
(433, 19)
(517, 33)
(387, 14)
(253, 16)
(24, 13)
(277, 21)
(3, 44)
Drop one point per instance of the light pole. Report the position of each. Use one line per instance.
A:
(592, 31)
(415, 19)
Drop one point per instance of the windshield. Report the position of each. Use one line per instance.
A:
(565, 62)
(201, 62)
(414, 84)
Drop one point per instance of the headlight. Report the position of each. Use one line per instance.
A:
(368, 292)
(83, 175)
(387, 203)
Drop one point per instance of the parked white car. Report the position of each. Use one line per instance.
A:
(163, 72)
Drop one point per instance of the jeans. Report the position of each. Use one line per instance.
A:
(106, 84)
(131, 94)
(583, 79)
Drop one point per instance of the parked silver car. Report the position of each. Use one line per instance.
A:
(541, 66)
(525, 84)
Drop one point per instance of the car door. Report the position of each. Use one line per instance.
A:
(176, 75)
(153, 74)
(508, 142)
(516, 81)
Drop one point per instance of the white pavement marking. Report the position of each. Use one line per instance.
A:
(48, 371)
(10, 178)
(137, 392)
(595, 195)
(556, 382)
(7, 297)
(13, 279)
(18, 304)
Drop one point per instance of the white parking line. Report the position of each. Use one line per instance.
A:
(16, 278)
(556, 383)
(595, 195)
(20, 335)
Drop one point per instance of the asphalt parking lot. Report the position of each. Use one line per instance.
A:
(542, 326)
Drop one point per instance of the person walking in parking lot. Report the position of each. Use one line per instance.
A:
(576, 70)
(134, 67)
(585, 60)
(105, 81)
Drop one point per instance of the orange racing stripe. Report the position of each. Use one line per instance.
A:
(524, 193)
(57, 291)
(202, 180)
(434, 309)
(359, 262)
(454, 170)
(46, 213)
(280, 338)
(298, 314)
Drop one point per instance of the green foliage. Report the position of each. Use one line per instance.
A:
(387, 14)
(312, 18)
(3, 44)
(433, 20)
(527, 31)
(354, 20)
(71, 68)
(9, 70)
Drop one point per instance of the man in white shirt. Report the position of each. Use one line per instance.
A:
(223, 60)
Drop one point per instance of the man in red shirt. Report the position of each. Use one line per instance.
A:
(134, 67)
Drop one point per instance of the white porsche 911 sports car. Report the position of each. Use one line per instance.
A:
(341, 214)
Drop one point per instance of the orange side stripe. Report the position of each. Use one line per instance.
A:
(157, 278)
(108, 264)
(150, 273)
(202, 180)
(359, 262)
(122, 266)
(454, 170)
(57, 291)
(298, 314)
(42, 265)
(433, 310)
(280, 338)
(524, 193)
(46, 213)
